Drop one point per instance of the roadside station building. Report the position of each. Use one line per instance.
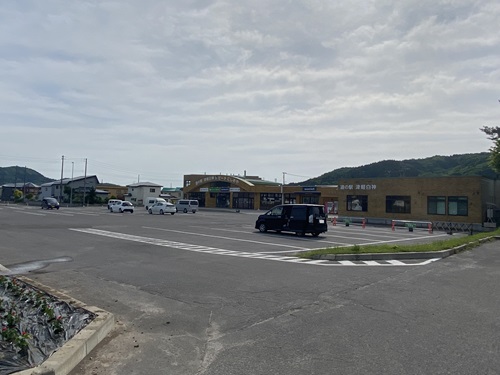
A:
(251, 192)
(456, 203)
(449, 203)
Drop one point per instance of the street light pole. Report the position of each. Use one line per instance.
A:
(71, 195)
(282, 189)
(61, 196)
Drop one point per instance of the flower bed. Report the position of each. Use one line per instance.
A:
(34, 324)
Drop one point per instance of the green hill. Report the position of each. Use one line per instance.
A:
(435, 166)
(9, 175)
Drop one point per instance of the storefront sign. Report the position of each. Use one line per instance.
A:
(203, 190)
(234, 190)
(229, 179)
(309, 188)
(358, 187)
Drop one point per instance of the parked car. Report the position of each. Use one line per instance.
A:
(162, 208)
(152, 200)
(50, 203)
(186, 205)
(112, 202)
(298, 218)
(122, 206)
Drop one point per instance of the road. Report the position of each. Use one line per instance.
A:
(206, 293)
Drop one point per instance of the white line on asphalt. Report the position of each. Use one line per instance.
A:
(212, 250)
(227, 238)
(31, 213)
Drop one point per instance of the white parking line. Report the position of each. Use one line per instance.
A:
(223, 252)
(226, 238)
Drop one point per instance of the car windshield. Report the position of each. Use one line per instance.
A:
(51, 200)
(126, 204)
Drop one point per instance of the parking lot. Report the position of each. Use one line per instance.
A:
(217, 232)
(206, 293)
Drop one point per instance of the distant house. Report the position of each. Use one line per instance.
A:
(7, 190)
(79, 185)
(137, 193)
(113, 190)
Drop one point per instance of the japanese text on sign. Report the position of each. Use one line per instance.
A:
(358, 187)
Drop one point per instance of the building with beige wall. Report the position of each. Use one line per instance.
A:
(250, 192)
(445, 201)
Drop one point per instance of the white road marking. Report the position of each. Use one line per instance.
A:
(227, 238)
(213, 250)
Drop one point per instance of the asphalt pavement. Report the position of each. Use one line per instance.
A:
(206, 293)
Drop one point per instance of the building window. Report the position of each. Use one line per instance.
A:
(458, 206)
(436, 205)
(268, 200)
(243, 200)
(310, 199)
(187, 182)
(398, 204)
(152, 190)
(357, 203)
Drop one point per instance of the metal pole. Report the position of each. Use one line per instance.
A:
(84, 182)
(60, 186)
(282, 189)
(71, 194)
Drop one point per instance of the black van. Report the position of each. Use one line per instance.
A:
(298, 218)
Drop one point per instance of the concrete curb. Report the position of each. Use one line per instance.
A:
(400, 256)
(66, 358)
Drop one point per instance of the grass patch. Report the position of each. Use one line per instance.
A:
(470, 241)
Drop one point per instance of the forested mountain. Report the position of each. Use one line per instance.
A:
(9, 175)
(435, 166)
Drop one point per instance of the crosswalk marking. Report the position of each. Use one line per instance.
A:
(243, 254)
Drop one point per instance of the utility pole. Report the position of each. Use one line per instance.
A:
(15, 186)
(60, 185)
(24, 186)
(71, 194)
(84, 182)
(282, 189)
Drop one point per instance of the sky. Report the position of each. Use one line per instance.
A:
(152, 90)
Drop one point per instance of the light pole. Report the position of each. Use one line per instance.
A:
(282, 189)
(71, 194)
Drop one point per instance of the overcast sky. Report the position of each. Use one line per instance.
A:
(151, 90)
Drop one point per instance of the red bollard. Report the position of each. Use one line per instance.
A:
(393, 225)
(334, 221)
(363, 223)
(430, 228)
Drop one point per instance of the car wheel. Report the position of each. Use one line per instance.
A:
(172, 213)
(262, 228)
(121, 211)
(315, 234)
(161, 212)
(194, 211)
(300, 233)
(131, 211)
(150, 211)
(185, 211)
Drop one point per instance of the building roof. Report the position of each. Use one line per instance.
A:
(145, 183)
(20, 184)
(66, 181)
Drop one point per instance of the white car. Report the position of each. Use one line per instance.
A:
(162, 208)
(122, 206)
(112, 202)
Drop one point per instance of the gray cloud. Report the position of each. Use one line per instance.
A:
(163, 89)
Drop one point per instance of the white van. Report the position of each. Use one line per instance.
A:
(186, 205)
(152, 200)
